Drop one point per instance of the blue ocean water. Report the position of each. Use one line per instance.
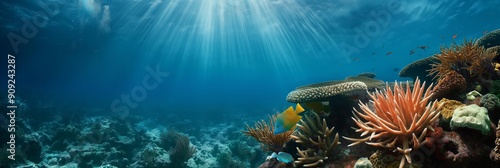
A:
(223, 55)
(205, 59)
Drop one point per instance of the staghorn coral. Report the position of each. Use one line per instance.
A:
(399, 119)
(450, 83)
(264, 133)
(468, 59)
(319, 140)
(446, 107)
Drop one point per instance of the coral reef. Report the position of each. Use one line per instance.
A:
(319, 140)
(446, 108)
(322, 91)
(489, 101)
(468, 59)
(461, 150)
(264, 133)
(387, 159)
(182, 151)
(451, 83)
(419, 69)
(368, 74)
(471, 116)
(495, 153)
(371, 83)
(399, 119)
(489, 40)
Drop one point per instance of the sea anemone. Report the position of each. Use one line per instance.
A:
(399, 119)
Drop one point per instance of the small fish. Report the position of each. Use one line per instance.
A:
(355, 59)
(454, 36)
(412, 52)
(486, 31)
(395, 69)
(442, 37)
(288, 119)
(389, 53)
(284, 157)
(373, 53)
(423, 47)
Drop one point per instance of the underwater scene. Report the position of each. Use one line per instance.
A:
(249, 84)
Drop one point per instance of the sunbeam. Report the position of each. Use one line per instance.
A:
(232, 34)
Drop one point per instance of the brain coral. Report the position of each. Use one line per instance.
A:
(471, 116)
(489, 101)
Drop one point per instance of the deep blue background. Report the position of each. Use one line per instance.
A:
(222, 56)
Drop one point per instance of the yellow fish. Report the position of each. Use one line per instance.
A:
(288, 119)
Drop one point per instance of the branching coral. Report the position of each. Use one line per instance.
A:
(182, 151)
(319, 140)
(399, 120)
(264, 133)
(468, 59)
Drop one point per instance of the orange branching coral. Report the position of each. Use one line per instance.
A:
(449, 83)
(264, 133)
(467, 59)
(399, 119)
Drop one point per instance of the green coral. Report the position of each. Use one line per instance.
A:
(471, 116)
(363, 163)
(489, 101)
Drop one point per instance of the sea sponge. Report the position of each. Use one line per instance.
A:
(451, 82)
(471, 116)
(489, 101)
(446, 107)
